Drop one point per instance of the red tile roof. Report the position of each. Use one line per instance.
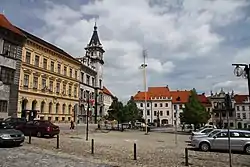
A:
(107, 92)
(141, 96)
(159, 92)
(204, 100)
(240, 98)
(180, 96)
(4, 22)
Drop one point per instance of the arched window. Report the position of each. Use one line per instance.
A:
(50, 107)
(64, 108)
(69, 112)
(42, 107)
(57, 108)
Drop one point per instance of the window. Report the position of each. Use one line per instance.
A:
(93, 81)
(26, 80)
(75, 91)
(70, 72)
(81, 95)
(50, 107)
(69, 118)
(141, 104)
(88, 78)
(59, 68)
(100, 83)
(37, 60)
(160, 104)
(57, 119)
(222, 135)
(63, 118)
(175, 114)
(238, 116)
(52, 66)
(27, 60)
(161, 113)
(206, 131)
(7, 75)
(148, 112)
(155, 104)
(243, 108)
(42, 107)
(231, 124)
(70, 90)
(58, 87)
(82, 77)
(3, 106)
(35, 82)
(238, 108)
(208, 109)
(64, 88)
(181, 106)
(166, 104)
(51, 86)
(10, 48)
(43, 83)
(64, 108)
(57, 108)
(147, 104)
(65, 70)
(69, 112)
(45, 63)
(75, 74)
(155, 113)
(244, 115)
(167, 112)
(175, 107)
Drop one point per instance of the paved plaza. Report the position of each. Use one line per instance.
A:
(116, 149)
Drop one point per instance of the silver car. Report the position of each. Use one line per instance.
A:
(201, 132)
(240, 141)
(10, 136)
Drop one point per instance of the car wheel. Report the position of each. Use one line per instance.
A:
(39, 134)
(204, 146)
(247, 149)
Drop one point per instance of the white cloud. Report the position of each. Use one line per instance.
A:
(173, 33)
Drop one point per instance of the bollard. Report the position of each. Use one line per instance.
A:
(92, 146)
(30, 138)
(186, 156)
(57, 141)
(135, 151)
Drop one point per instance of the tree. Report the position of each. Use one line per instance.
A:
(132, 112)
(116, 110)
(194, 112)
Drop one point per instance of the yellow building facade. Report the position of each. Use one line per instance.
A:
(49, 81)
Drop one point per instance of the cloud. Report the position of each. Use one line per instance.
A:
(184, 40)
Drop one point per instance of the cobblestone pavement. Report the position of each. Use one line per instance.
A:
(29, 156)
(154, 150)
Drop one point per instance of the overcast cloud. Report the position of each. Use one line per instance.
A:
(190, 43)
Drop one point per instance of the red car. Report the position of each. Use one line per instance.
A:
(39, 128)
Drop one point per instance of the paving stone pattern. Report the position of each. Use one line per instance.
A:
(28, 156)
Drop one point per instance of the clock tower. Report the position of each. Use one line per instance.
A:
(94, 54)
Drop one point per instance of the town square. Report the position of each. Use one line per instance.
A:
(111, 83)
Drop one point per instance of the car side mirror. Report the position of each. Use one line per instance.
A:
(214, 137)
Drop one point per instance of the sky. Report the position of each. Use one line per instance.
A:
(189, 43)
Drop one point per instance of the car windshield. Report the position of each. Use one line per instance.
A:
(213, 133)
(4, 125)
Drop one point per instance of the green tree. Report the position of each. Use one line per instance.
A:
(194, 112)
(116, 110)
(132, 112)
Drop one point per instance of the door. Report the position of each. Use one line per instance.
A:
(220, 142)
(29, 128)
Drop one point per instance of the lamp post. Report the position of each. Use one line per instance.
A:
(242, 70)
(143, 66)
(87, 127)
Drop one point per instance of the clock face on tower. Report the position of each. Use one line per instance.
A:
(100, 71)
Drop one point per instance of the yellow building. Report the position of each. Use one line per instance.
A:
(49, 81)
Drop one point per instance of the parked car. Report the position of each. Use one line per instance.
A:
(39, 128)
(15, 121)
(201, 132)
(240, 141)
(214, 131)
(10, 136)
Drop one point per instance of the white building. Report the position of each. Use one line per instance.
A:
(108, 98)
(242, 108)
(91, 80)
(159, 105)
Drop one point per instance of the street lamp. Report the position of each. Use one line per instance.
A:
(143, 66)
(87, 127)
(242, 70)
